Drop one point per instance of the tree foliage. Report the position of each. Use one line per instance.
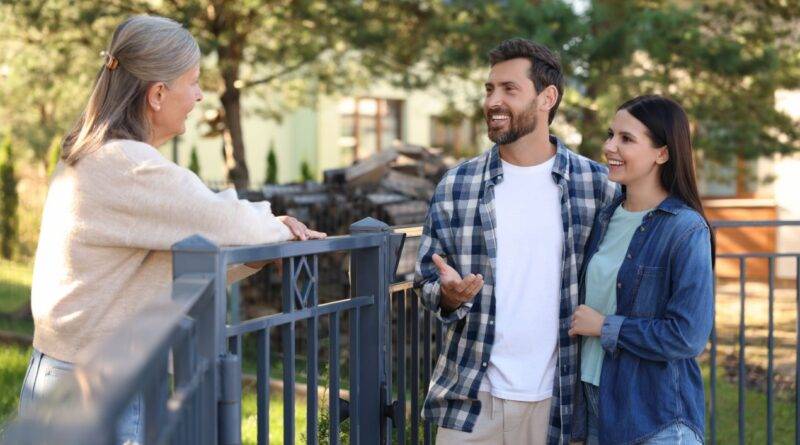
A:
(722, 59)
(9, 200)
(253, 46)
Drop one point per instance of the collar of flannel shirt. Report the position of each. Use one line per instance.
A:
(560, 166)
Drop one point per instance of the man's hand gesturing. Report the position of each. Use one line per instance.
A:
(456, 290)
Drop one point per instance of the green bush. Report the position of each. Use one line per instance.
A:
(323, 425)
(305, 172)
(194, 162)
(272, 166)
(9, 200)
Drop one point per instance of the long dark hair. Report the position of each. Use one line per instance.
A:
(668, 126)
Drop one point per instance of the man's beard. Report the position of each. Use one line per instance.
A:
(518, 125)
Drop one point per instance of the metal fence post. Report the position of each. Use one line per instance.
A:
(199, 256)
(369, 271)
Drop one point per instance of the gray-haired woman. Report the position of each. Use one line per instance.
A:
(116, 205)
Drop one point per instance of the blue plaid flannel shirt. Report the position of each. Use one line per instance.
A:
(460, 227)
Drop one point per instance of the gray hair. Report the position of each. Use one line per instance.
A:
(143, 50)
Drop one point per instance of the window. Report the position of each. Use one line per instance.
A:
(736, 178)
(369, 125)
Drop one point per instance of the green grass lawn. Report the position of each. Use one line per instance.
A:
(249, 418)
(13, 363)
(755, 414)
(15, 289)
(15, 285)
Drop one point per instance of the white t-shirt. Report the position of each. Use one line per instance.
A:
(530, 240)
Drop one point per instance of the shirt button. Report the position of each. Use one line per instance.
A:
(619, 285)
(630, 256)
(491, 321)
(484, 364)
(642, 229)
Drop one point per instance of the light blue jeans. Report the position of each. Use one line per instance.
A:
(676, 434)
(44, 373)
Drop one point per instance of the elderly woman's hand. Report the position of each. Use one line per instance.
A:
(299, 230)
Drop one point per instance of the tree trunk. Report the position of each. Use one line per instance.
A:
(230, 58)
(591, 133)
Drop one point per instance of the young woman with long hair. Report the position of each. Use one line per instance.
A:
(646, 286)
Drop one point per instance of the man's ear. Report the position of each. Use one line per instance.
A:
(663, 155)
(155, 96)
(548, 98)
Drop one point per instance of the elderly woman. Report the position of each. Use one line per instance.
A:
(116, 205)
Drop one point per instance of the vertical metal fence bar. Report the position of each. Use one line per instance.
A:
(262, 386)
(333, 380)
(742, 338)
(401, 364)
(414, 317)
(312, 368)
(797, 353)
(355, 387)
(426, 345)
(388, 383)
(371, 276)
(713, 365)
(288, 343)
(770, 350)
(198, 255)
(235, 303)
(154, 400)
(231, 400)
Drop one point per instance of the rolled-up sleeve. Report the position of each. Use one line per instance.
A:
(436, 239)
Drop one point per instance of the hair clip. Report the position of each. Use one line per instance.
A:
(112, 61)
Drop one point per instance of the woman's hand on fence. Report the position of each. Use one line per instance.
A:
(455, 290)
(260, 264)
(299, 230)
(586, 321)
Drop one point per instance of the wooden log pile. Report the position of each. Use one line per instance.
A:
(394, 186)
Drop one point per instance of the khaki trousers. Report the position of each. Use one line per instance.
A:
(503, 422)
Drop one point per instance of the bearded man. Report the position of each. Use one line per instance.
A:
(499, 260)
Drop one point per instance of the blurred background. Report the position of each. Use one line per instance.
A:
(335, 110)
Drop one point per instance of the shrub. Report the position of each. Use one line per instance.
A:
(272, 166)
(194, 162)
(9, 200)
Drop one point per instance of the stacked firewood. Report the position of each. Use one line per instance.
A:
(394, 186)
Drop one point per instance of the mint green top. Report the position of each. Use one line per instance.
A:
(601, 279)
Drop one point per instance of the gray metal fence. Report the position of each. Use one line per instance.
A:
(391, 343)
(712, 403)
(133, 363)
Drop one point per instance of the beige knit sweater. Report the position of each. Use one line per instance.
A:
(108, 224)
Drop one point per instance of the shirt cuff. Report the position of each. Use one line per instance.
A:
(609, 333)
(444, 315)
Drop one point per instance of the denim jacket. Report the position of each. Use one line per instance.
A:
(650, 378)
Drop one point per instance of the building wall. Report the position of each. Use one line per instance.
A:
(304, 134)
(787, 190)
(258, 133)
